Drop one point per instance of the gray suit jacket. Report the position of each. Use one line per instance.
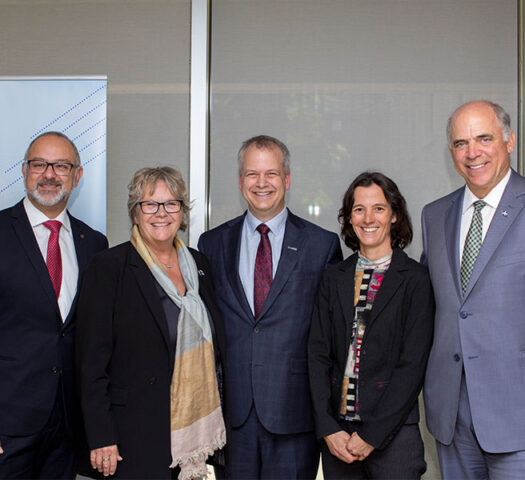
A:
(482, 331)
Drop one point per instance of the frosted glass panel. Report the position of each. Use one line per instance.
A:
(350, 86)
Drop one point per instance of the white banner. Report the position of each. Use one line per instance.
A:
(76, 107)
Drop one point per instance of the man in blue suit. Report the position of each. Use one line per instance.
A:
(44, 253)
(474, 246)
(267, 265)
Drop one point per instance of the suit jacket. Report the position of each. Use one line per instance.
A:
(393, 354)
(482, 331)
(123, 357)
(36, 347)
(266, 359)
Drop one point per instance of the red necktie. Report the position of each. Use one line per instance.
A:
(54, 257)
(262, 275)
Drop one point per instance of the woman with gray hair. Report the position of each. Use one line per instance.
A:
(150, 341)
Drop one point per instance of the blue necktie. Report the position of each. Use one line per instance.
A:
(472, 245)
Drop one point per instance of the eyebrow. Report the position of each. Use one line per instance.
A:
(477, 137)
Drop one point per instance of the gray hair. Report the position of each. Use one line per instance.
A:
(502, 116)
(148, 178)
(56, 134)
(265, 142)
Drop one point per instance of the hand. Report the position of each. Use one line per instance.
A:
(105, 459)
(1, 449)
(357, 447)
(337, 445)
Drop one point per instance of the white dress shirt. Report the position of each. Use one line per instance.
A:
(68, 288)
(487, 213)
(250, 239)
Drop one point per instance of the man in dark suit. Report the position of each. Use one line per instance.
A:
(473, 244)
(267, 265)
(45, 250)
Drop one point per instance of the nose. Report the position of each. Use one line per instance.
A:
(49, 172)
(472, 150)
(261, 180)
(369, 216)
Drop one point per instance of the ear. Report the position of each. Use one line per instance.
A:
(240, 182)
(287, 181)
(510, 143)
(394, 218)
(78, 175)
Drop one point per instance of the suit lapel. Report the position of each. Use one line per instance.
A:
(147, 286)
(389, 286)
(231, 251)
(28, 241)
(293, 241)
(508, 210)
(452, 229)
(345, 292)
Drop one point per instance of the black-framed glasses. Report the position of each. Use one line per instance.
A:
(61, 169)
(150, 207)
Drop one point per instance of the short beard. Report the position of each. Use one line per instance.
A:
(60, 196)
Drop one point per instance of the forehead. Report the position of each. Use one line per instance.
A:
(473, 120)
(256, 158)
(160, 187)
(51, 147)
(371, 194)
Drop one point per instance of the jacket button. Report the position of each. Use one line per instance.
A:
(54, 370)
(457, 358)
(152, 380)
(463, 314)
(256, 330)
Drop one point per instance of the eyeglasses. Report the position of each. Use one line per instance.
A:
(150, 207)
(61, 169)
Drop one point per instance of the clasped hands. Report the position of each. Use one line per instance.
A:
(348, 448)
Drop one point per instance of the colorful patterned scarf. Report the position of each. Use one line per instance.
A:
(197, 425)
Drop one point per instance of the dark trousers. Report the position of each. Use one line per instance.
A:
(403, 458)
(255, 453)
(49, 453)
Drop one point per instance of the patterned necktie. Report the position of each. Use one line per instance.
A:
(472, 245)
(262, 275)
(54, 257)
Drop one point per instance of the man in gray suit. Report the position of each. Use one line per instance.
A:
(474, 246)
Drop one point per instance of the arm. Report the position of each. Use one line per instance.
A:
(335, 254)
(320, 362)
(94, 346)
(406, 381)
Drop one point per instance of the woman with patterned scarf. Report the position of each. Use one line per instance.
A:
(369, 341)
(149, 344)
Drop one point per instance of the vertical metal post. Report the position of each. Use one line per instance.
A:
(199, 115)
(521, 125)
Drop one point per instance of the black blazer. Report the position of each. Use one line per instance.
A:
(123, 359)
(36, 347)
(393, 355)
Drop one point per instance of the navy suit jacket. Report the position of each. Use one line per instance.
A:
(481, 332)
(266, 359)
(36, 347)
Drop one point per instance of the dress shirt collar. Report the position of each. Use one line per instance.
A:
(492, 199)
(36, 217)
(276, 224)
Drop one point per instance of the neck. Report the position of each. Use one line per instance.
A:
(50, 212)
(374, 254)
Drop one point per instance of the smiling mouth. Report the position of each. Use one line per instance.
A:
(476, 167)
(370, 229)
(262, 194)
(164, 224)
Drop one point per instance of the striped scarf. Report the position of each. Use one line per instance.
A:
(197, 425)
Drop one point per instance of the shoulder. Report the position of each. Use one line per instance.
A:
(442, 203)
(114, 256)
(312, 228)
(87, 231)
(412, 268)
(217, 231)
(7, 214)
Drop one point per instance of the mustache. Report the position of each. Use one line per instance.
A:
(45, 183)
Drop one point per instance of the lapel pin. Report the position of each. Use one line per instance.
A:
(505, 213)
(292, 248)
(201, 273)
(82, 236)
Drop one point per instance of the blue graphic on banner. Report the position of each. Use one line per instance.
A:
(75, 107)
